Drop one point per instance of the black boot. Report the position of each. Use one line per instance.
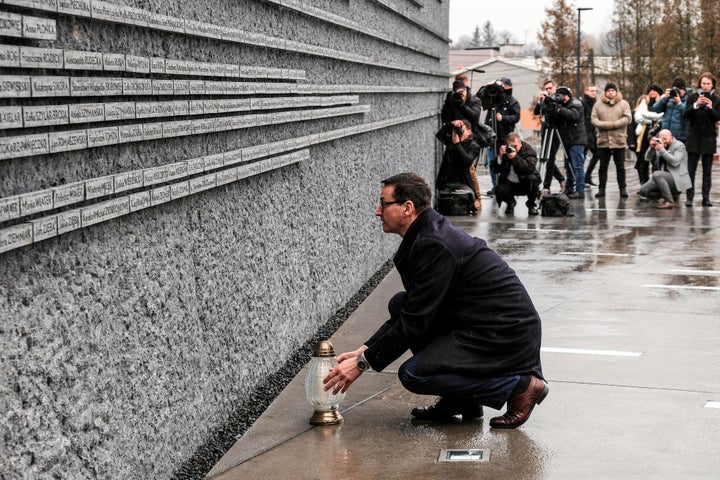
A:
(446, 409)
(623, 192)
(600, 193)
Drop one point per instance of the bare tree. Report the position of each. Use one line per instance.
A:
(476, 40)
(558, 34)
(674, 51)
(708, 36)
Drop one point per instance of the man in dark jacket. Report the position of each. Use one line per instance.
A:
(571, 126)
(516, 168)
(502, 118)
(673, 103)
(466, 317)
(588, 101)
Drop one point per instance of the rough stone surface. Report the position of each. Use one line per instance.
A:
(134, 347)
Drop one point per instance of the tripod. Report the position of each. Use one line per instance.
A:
(549, 149)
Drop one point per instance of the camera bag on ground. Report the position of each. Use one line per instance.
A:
(555, 205)
(455, 202)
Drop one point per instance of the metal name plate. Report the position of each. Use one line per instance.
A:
(42, 115)
(129, 180)
(99, 187)
(139, 200)
(31, 57)
(104, 211)
(155, 175)
(157, 65)
(90, 86)
(11, 25)
(162, 87)
(80, 8)
(205, 182)
(134, 63)
(68, 194)
(15, 237)
(87, 112)
(9, 56)
(213, 161)
(131, 133)
(160, 195)
(152, 131)
(195, 165)
(119, 111)
(23, 146)
(179, 190)
(113, 62)
(181, 87)
(165, 22)
(78, 60)
(136, 86)
(66, 141)
(49, 5)
(99, 137)
(44, 228)
(9, 208)
(177, 170)
(227, 176)
(35, 202)
(50, 86)
(68, 221)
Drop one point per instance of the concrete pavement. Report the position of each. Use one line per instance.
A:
(630, 301)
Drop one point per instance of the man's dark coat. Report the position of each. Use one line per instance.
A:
(466, 310)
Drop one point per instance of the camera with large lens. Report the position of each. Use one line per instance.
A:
(509, 149)
(554, 98)
(458, 130)
(492, 95)
(674, 92)
(457, 97)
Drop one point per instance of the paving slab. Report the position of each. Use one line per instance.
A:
(630, 301)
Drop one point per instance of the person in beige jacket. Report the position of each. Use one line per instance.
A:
(610, 116)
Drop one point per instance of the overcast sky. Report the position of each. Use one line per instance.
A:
(522, 17)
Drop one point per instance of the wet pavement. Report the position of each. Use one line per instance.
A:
(630, 301)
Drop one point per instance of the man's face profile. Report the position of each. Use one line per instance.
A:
(389, 211)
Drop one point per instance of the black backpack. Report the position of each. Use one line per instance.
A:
(555, 205)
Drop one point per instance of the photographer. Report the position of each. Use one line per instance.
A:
(673, 176)
(502, 116)
(672, 103)
(546, 107)
(702, 115)
(571, 126)
(460, 104)
(516, 167)
(461, 150)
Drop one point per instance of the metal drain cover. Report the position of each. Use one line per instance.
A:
(464, 455)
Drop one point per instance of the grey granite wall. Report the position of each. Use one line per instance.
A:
(125, 343)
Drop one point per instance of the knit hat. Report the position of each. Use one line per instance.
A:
(654, 87)
(458, 85)
(609, 86)
(563, 90)
(507, 83)
(679, 83)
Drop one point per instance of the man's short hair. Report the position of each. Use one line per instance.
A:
(411, 186)
(512, 136)
(461, 77)
(549, 80)
(466, 122)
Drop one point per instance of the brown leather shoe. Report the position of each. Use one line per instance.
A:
(665, 205)
(520, 406)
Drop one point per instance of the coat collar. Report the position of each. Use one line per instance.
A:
(425, 218)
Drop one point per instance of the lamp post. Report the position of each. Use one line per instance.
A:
(577, 77)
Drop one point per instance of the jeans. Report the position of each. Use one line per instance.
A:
(576, 182)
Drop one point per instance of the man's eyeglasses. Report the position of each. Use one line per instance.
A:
(385, 204)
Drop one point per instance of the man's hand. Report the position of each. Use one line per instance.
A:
(499, 117)
(345, 373)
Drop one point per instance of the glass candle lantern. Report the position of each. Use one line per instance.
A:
(326, 404)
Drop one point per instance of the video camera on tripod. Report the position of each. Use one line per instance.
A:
(493, 95)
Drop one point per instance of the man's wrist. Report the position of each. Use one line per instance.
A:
(362, 363)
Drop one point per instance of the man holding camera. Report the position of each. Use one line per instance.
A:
(672, 177)
(461, 150)
(546, 107)
(610, 116)
(672, 103)
(571, 126)
(503, 114)
(460, 104)
(517, 174)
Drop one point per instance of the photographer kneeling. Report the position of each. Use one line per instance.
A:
(461, 151)
(516, 166)
(672, 177)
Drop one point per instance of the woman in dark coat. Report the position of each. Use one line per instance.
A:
(702, 114)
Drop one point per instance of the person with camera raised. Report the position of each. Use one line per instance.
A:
(570, 120)
(460, 104)
(702, 115)
(610, 116)
(546, 107)
(502, 116)
(461, 150)
(672, 177)
(516, 167)
(672, 103)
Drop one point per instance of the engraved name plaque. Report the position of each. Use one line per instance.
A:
(36, 202)
(15, 237)
(99, 187)
(68, 221)
(44, 228)
(68, 194)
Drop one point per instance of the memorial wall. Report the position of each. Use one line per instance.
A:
(187, 193)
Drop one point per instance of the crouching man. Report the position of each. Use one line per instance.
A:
(518, 175)
(469, 322)
(672, 177)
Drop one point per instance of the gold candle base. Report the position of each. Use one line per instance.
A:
(326, 418)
